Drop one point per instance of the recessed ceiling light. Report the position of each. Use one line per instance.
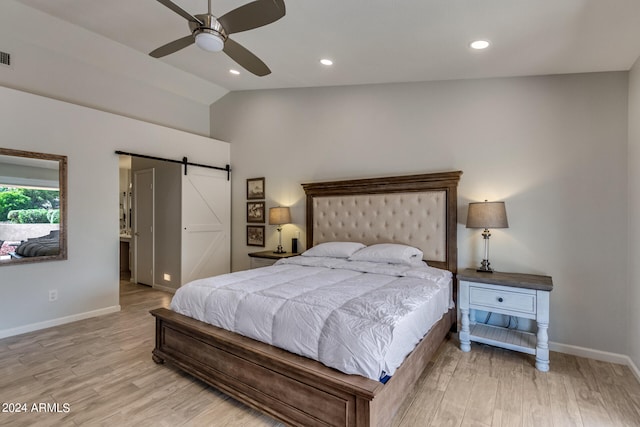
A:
(479, 44)
(326, 62)
(236, 72)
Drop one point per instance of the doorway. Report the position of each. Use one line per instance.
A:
(180, 224)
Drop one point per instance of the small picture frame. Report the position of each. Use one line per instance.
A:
(255, 188)
(255, 212)
(255, 235)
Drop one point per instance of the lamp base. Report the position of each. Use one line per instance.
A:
(279, 250)
(484, 267)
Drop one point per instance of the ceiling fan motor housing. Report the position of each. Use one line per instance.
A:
(210, 35)
(209, 24)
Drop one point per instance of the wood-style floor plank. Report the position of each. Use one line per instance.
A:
(564, 406)
(102, 368)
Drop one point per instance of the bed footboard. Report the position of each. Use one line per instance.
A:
(290, 388)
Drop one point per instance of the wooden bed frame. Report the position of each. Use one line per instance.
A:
(293, 389)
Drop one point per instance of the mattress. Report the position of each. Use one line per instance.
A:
(360, 318)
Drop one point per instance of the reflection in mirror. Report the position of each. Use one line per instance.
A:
(33, 208)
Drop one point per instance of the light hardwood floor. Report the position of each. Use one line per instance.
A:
(102, 369)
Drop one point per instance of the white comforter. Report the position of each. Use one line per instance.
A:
(341, 313)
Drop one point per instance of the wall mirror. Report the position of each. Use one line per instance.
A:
(33, 207)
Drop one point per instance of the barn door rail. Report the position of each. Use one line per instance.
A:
(184, 162)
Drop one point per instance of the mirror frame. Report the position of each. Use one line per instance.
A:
(62, 179)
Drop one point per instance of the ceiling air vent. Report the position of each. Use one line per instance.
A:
(5, 59)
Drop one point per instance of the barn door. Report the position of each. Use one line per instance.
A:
(206, 223)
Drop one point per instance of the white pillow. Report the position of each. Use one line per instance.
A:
(391, 253)
(334, 249)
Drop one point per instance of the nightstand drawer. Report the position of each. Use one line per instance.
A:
(503, 300)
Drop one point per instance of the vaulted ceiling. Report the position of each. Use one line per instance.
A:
(381, 41)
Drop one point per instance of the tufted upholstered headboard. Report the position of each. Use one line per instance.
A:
(417, 210)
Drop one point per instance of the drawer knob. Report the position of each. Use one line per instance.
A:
(500, 299)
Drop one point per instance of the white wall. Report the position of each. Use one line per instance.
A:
(554, 148)
(88, 281)
(633, 300)
(53, 58)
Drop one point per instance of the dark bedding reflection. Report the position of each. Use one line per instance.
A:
(40, 246)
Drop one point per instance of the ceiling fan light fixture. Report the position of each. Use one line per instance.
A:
(209, 41)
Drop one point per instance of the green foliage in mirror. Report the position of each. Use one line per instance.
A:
(17, 199)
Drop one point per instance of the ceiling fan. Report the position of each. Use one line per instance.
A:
(212, 34)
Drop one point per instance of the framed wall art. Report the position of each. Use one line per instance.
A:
(255, 188)
(255, 235)
(255, 212)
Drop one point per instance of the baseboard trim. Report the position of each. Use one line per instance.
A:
(589, 353)
(164, 288)
(4, 333)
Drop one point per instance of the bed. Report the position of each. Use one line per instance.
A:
(418, 210)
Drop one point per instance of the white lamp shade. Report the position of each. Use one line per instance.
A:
(209, 42)
(279, 215)
(487, 215)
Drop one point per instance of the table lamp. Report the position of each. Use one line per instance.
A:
(279, 216)
(487, 215)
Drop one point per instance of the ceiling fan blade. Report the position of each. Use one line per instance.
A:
(246, 59)
(173, 46)
(252, 15)
(177, 9)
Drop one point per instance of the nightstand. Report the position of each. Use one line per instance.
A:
(267, 258)
(512, 294)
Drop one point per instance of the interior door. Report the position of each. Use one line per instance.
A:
(206, 223)
(143, 226)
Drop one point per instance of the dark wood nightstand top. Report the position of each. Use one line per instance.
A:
(272, 255)
(518, 280)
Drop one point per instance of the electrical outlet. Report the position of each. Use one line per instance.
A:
(53, 295)
(167, 277)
